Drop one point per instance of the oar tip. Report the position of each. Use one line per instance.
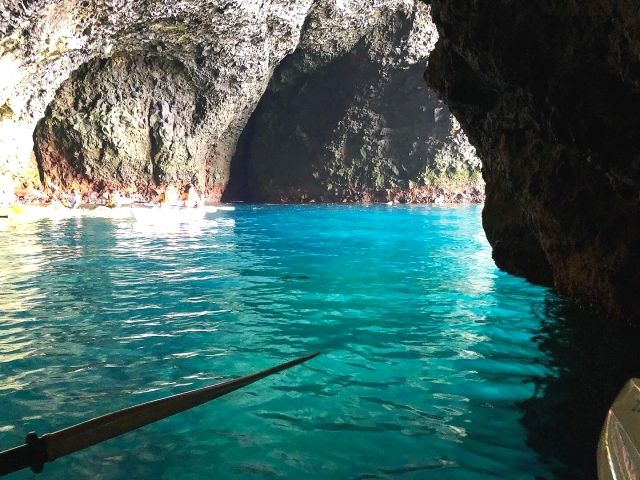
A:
(299, 360)
(306, 357)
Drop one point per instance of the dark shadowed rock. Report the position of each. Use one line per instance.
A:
(549, 93)
(349, 118)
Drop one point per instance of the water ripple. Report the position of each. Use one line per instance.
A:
(427, 348)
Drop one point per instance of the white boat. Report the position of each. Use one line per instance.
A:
(104, 212)
(619, 446)
(165, 214)
(141, 212)
(59, 212)
(222, 208)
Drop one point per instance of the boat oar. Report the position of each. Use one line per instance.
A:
(39, 450)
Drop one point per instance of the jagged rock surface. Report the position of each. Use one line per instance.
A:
(146, 120)
(549, 93)
(348, 117)
(160, 93)
(224, 52)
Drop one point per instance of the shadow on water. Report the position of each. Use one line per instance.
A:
(590, 360)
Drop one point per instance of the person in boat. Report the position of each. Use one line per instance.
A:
(190, 197)
(112, 198)
(170, 197)
(74, 200)
(116, 200)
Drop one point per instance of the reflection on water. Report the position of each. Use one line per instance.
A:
(591, 361)
(20, 260)
(434, 363)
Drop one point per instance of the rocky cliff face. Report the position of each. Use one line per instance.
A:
(549, 93)
(142, 94)
(147, 120)
(189, 74)
(348, 117)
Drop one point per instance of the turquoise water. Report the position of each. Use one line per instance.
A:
(434, 364)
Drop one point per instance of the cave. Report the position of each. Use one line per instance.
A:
(526, 107)
(358, 126)
(561, 204)
(350, 122)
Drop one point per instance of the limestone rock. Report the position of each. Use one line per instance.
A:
(141, 94)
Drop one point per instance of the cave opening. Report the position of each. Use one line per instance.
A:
(348, 119)
(336, 121)
(352, 128)
(238, 188)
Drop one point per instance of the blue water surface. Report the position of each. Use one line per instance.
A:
(434, 364)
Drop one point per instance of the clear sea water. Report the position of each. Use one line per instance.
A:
(434, 364)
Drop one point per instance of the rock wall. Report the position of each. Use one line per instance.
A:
(549, 93)
(222, 52)
(147, 120)
(136, 94)
(347, 116)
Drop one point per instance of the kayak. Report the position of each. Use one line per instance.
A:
(59, 212)
(619, 446)
(142, 212)
(157, 214)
